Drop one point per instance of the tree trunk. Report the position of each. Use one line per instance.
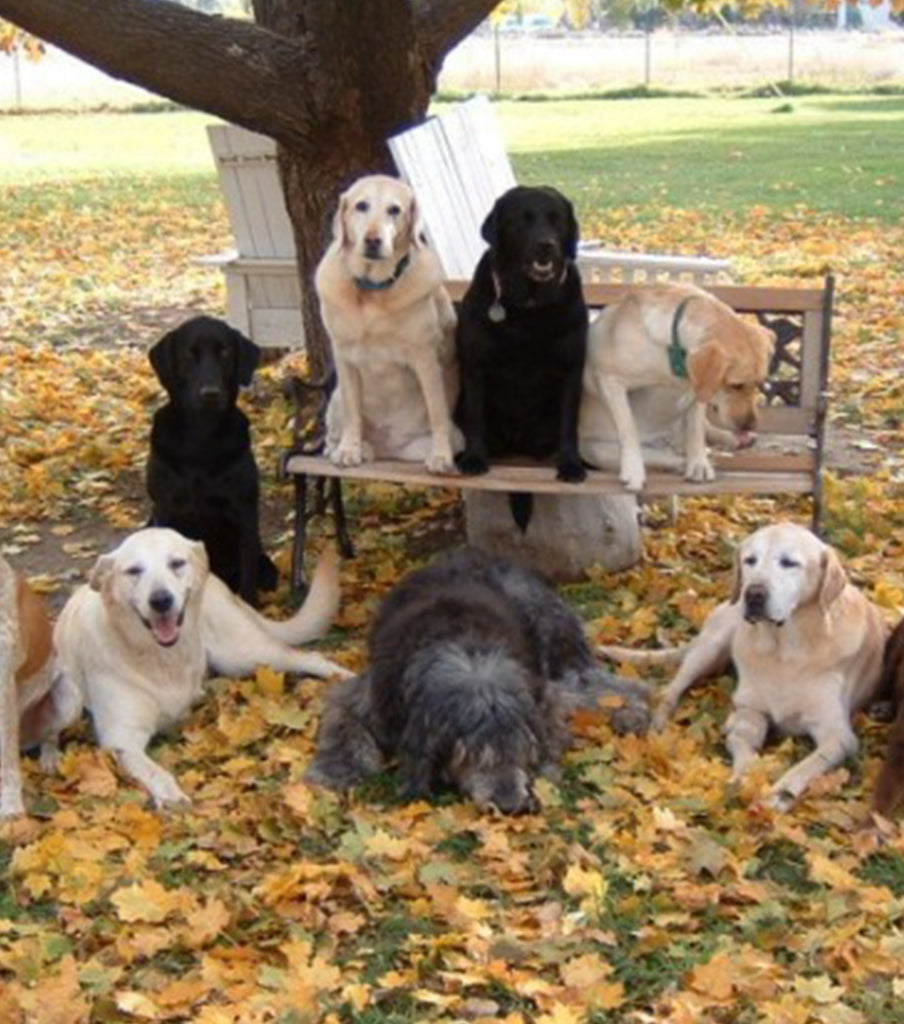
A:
(372, 94)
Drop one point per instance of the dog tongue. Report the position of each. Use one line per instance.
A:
(745, 438)
(165, 630)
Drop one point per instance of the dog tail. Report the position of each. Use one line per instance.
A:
(314, 617)
(521, 504)
(665, 656)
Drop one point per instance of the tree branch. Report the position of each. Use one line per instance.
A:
(230, 68)
(440, 24)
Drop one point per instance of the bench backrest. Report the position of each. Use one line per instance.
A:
(795, 392)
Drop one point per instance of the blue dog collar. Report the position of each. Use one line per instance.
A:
(366, 284)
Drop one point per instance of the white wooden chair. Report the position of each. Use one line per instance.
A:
(263, 296)
(458, 166)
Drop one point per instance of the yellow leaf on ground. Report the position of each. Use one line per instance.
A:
(715, 978)
(146, 901)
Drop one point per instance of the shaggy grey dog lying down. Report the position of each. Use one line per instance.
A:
(475, 667)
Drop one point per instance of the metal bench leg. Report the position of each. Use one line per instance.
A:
(345, 542)
(816, 522)
(299, 582)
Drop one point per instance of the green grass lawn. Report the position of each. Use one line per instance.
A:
(835, 153)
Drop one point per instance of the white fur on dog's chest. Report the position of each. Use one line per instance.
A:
(781, 680)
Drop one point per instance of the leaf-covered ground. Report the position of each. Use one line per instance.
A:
(649, 888)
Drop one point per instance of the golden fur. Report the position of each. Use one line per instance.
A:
(394, 346)
(727, 360)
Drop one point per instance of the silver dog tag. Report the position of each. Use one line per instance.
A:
(496, 312)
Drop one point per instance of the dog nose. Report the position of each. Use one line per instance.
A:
(373, 246)
(161, 601)
(546, 249)
(755, 598)
(749, 422)
(512, 800)
(211, 394)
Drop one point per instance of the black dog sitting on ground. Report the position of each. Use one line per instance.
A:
(201, 474)
(522, 337)
(475, 667)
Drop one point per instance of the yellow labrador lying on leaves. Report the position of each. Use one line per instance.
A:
(807, 646)
(392, 328)
(668, 336)
(136, 643)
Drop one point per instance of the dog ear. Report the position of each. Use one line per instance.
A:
(489, 230)
(340, 233)
(162, 355)
(248, 357)
(706, 370)
(833, 578)
(416, 224)
(572, 231)
(199, 561)
(736, 578)
(101, 571)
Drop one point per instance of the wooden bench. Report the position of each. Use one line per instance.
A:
(787, 458)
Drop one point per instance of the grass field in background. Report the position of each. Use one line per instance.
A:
(837, 153)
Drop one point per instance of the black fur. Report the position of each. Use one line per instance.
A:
(474, 666)
(201, 473)
(521, 376)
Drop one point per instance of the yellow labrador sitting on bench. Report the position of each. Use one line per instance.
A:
(392, 328)
(668, 337)
(136, 643)
(807, 646)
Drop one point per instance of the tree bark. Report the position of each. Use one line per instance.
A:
(329, 80)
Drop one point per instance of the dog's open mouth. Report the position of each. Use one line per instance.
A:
(753, 617)
(541, 271)
(165, 627)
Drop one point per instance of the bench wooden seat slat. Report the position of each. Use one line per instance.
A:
(779, 474)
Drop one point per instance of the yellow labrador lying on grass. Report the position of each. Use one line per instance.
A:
(807, 646)
(671, 336)
(136, 642)
(392, 327)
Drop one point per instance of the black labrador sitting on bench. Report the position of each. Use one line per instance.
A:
(201, 474)
(522, 338)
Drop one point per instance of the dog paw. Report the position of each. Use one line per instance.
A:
(440, 460)
(632, 474)
(167, 793)
(49, 759)
(471, 463)
(780, 799)
(700, 471)
(348, 454)
(571, 471)
(11, 806)
(662, 715)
